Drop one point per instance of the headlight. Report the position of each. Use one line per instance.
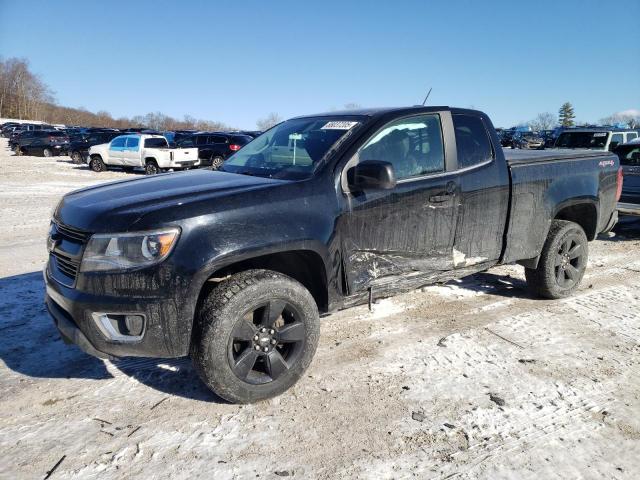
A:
(125, 251)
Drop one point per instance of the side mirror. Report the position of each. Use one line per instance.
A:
(371, 174)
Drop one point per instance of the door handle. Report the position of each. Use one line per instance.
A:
(440, 198)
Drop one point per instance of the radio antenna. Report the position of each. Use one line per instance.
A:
(425, 98)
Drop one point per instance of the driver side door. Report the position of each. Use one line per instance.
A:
(406, 233)
(116, 150)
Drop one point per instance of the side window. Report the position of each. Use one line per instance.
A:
(412, 145)
(133, 142)
(616, 139)
(631, 136)
(118, 142)
(217, 139)
(201, 140)
(631, 158)
(472, 141)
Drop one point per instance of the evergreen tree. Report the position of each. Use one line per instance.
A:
(566, 115)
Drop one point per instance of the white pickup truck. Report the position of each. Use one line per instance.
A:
(151, 152)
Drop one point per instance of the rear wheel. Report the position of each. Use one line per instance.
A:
(97, 165)
(563, 261)
(76, 157)
(216, 162)
(151, 168)
(257, 333)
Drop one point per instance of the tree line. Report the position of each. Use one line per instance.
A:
(566, 118)
(25, 96)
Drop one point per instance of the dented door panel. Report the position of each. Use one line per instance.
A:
(398, 232)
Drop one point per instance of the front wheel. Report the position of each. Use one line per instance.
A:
(563, 261)
(256, 335)
(76, 157)
(47, 152)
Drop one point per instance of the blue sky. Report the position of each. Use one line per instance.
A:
(238, 61)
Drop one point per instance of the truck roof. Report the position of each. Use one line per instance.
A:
(375, 112)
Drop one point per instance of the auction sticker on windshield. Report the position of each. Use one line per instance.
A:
(339, 125)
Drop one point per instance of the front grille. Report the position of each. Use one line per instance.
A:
(66, 248)
(66, 265)
(72, 233)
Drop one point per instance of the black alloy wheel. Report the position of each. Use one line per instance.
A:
(265, 342)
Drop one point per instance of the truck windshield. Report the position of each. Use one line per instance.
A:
(591, 140)
(155, 143)
(292, 149)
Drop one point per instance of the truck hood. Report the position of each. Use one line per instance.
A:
(116, 206)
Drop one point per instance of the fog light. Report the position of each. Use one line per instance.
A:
(120, 327)
(134, 324)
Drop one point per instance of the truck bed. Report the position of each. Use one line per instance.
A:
(540, 180)
(519, 157)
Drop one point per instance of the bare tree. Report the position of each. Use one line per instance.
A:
(269, 121)
(24, 95)
(543, 121)
(629, 117)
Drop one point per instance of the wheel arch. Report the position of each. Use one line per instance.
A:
(584, 213)
(303, 265)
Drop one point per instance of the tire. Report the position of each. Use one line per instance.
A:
(562, 262)
(47, 152)
(76, 157)
(243, 315)
(97, 165)
(151, 168)
(17, 150)
(216, 162)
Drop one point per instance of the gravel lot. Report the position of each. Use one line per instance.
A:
(474, 379)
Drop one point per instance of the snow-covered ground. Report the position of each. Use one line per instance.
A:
(473, 379)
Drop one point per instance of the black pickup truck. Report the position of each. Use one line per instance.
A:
(234, 267)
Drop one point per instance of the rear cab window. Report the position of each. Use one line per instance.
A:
(472, 141)
(155, 143)
(590, 140)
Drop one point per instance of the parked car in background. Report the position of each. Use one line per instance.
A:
(629, 155)
(506, 137)
(322, 212)
(548, 137)
(151, 152)
(215, 147)
(597, 138)
(527, 140)
(43, 142)
(7, 127)
(79, 146)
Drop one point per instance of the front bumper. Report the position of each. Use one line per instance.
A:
(628, 208)
(168, 321)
